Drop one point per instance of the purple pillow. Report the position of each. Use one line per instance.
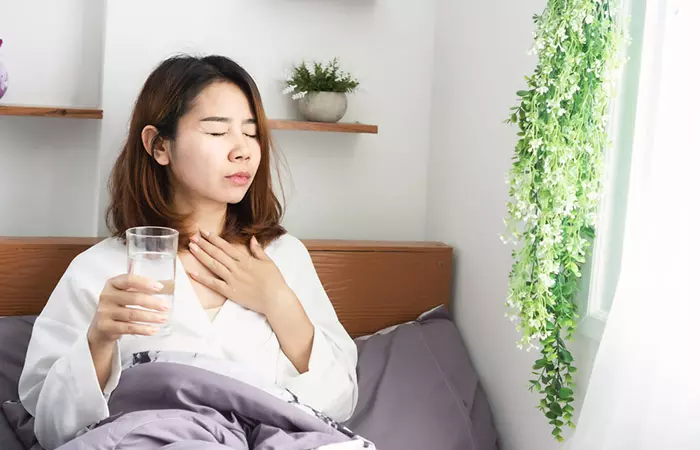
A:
(15, 333)
(16, 425)
(418, 389)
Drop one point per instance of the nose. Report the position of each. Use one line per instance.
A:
(239, 151)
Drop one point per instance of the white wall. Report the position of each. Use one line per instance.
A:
(345, 186)
(480, 61)
(53, 53)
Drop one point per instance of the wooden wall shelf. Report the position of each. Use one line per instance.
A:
(50, 111)
(343, 127)
(275, 124)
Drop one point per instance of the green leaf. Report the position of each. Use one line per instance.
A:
(522, 93)
(566, 356)
(588, 232)
(551, 415)
(566, 393)
(554, 407)
(540, 363)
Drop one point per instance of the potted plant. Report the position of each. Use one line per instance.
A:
(3, 77)
(321, 90)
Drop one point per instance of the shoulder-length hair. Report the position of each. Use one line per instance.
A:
(139, 187)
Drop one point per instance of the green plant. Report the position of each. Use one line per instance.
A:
(555, 182)
(318, 77)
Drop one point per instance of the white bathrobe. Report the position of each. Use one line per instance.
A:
(59, 385)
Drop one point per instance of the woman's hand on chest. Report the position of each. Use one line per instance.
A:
(207, 297)
(244, 275)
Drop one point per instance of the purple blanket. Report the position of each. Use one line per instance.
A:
(174, 406)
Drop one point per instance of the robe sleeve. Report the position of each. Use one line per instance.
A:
(330, 384)
(59, 385)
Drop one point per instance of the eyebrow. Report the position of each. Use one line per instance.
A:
(227, 120)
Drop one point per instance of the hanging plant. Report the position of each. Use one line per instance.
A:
(554, 185)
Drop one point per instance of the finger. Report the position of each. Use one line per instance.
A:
(235, 252)
(224, 253)
(220, 269)
(122, 328)
(138, 315)
(257, 250)
(139, 299)
(136, 283)
(212, 283)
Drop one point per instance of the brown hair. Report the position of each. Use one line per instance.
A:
(139, 187)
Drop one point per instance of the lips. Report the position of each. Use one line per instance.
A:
(239, 178)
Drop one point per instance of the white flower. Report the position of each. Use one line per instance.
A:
(542, 90)
(535, 143)
(546, 280)
(589, 19)
(288, 76)
(289, 89)
(546, 229)
(561, 33)
(299, 95)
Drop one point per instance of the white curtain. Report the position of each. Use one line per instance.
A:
(644, 392)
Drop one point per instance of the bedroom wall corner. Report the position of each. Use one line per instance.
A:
(480, 59)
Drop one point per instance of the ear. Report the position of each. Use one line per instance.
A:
(155, 145)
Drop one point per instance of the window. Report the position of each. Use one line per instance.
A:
(603, 267)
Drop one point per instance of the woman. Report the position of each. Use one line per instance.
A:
(197, 159)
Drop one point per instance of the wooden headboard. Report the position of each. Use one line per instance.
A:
(372, 284)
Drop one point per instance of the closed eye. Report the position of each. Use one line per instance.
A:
(251, 135)
(217, 134)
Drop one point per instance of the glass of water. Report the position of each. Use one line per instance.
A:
(152, 253)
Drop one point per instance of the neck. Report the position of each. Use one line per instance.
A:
(208, 216)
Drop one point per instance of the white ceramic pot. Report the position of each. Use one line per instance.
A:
(4, 79)
(323, 106)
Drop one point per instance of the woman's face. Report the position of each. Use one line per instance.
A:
(216, 152)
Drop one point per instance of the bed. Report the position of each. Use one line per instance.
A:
(418, 388)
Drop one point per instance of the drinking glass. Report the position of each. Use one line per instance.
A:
(152, 253)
